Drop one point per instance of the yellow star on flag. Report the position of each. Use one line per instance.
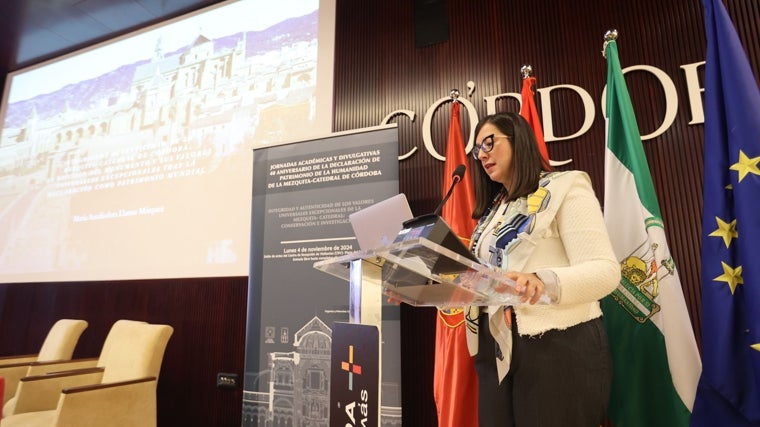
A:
(731, 276)
(756, 346)
(746, 165)
(725, 230)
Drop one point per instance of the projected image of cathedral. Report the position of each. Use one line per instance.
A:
(171, 119)
(241, 81)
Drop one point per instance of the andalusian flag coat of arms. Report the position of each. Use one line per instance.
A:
(656, 363)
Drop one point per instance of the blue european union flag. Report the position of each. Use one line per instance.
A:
(729, 389)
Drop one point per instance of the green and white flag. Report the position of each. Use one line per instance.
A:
(656, 364)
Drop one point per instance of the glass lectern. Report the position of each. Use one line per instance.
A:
(420, 272)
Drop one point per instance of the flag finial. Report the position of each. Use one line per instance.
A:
(610, 36)
(526, 71)
(454, 94)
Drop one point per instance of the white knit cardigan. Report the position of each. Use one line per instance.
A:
(569, 243)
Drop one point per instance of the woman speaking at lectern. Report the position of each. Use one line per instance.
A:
(539, 364)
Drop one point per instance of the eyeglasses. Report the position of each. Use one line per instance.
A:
(486, 146)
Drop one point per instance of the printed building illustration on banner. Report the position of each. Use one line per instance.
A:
(299, 385)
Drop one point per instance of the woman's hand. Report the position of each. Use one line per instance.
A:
(528, 285)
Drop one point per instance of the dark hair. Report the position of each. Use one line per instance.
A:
(527, 163)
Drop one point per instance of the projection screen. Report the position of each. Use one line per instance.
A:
(132, 159)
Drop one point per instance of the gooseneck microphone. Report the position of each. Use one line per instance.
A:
(433, 228)
(457, 176)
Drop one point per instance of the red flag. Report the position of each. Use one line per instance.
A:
(530, 113)
(457, 211)
(455, 383)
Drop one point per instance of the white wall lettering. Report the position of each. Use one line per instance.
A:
(694, 95)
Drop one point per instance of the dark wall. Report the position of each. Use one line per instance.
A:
(379, 69)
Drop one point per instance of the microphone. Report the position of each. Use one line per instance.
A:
(435, 229)
(457, 176)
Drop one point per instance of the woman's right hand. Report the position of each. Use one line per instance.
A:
(528, 285)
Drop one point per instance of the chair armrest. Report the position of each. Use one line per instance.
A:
(132, 402)
(103, 386)
(42, 392)
(13, 372)
(24, 359)
(39, 368)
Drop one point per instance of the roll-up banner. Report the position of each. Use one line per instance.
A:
(303, 193)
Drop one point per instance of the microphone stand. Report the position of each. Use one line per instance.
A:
(455, 181)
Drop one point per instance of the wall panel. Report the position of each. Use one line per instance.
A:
(488, 42)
